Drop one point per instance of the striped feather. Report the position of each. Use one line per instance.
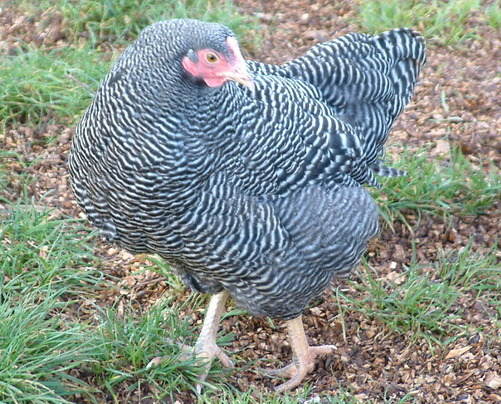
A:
(258, 192)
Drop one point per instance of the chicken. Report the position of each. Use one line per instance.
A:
(245, 177)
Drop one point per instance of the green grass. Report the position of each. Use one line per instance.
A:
(38, 350)
(451, 186)
(120, 21)
(228, 396)
(45, 85)
(445, 22)
(131, 341)
(47, 274)
(40, 85)
(493, 15)
(418, 306)
(470, 270)
(422, 303)
(39, 347)
(161, 267)
(41, 252)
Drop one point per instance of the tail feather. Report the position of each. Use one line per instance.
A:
(384, 171)
(366, 80)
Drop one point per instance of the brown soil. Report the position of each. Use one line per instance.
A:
(372, 362)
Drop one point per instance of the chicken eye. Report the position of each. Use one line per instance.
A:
(211, 57)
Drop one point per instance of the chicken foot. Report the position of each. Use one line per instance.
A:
(304, 356)
(205, 347)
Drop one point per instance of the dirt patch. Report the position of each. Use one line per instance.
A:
(19, 31)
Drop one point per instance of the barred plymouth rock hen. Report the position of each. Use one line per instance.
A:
(246, 177)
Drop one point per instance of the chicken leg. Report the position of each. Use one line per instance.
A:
(304, 356)
(205, 347)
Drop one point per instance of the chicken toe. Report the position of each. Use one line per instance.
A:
(304, 355)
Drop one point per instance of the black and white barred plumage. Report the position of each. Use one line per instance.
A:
(256, 191)
(366, 80)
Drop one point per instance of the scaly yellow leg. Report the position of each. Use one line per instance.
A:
(304, 356)
(206, 348)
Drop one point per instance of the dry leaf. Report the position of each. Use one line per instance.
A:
(317, 34)
(396, 277)
(43, 252)
(457, 352)
(493, 380)
(442, 147)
